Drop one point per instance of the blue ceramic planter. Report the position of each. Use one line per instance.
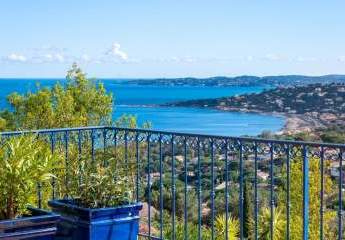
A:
(120, 223)
(40, 225)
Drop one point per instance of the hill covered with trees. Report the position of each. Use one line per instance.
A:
(221, 81)
(307, 107)
(320, 98)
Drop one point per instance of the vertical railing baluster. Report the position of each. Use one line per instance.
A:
(288, 192)
(52, 142)
(105, 161)
(199, 188)
(66, 161)
(256, 202)
(340, 196)
(322, 155)
(149, 180)
(185, 189)
(271, 191)
(104, 140)
(226, 190)
(52, 149)
(160, 187)
(241, 198)
(305, 193)
(126, 149)
(212, 189)
(39, 187)
(115, 143)
(173, 187)
(80, 157)
(137, 153)
(93, 146)
(39, 195)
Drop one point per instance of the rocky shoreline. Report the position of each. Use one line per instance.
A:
(297, 123)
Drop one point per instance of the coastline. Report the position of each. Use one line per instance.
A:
(298, 123)
(294, 123)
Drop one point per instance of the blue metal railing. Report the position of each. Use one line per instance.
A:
(193, 179)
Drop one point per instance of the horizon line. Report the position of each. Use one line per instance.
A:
(153, 78)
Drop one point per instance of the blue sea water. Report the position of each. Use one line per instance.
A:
(129, 99)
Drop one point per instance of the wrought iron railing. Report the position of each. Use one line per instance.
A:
(270, 189)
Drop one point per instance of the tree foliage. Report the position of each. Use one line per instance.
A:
(296, 200)
(179, 199)
(192, 231)
(79, 102)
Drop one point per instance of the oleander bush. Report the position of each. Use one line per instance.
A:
(25, 162)
(105, 180)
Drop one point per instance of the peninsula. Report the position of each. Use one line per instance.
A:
(306, 107)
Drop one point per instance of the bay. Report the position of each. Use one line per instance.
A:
(135, 100)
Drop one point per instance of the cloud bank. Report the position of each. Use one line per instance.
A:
(15, 57)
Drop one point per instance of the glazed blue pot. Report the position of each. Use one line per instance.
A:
(120, 223)
(40, 225)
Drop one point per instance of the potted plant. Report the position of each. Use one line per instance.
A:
(102, 206)
(25, 163)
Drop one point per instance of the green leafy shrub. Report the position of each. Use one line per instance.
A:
(24, 162)
(105, 187)
(264, 224)
(192, 231)
(106, 181)
(220, 227)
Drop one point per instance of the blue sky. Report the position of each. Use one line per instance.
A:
(172, 38)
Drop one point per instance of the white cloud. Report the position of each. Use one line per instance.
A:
(273, 57)
(341, 59)
(14, 57)
(306, 59)
(59, 57)
(51, 57)
(188, 59)
(49, 48)
(249, 58)
(85, 58)
(184, 59)
(116, 51)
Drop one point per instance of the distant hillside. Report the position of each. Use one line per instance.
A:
(307, 108)
(288, 80)
(320, 98)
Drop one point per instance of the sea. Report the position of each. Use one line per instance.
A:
(142, 101)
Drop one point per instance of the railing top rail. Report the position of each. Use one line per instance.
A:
(183, 134)
(244, 139)
(51, 130)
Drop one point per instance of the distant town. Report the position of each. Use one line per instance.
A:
(307, 107)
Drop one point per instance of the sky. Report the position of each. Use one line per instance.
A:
(171, 38)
